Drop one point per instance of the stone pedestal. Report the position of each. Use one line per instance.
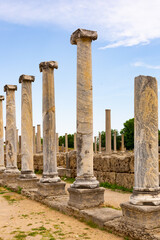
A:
(141, 216)
(108, 131)
(11, 145)
(27, 183)
(10, 178)
(27, 168)
(85, 198)
(2, 167)
(51, 189)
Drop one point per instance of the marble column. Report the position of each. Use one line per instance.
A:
(5, 138)
(2, 167)
(39, 138)
(57, 140)
(108, 131)
(122, 142)
(50, 173)
(11, 151)
(86, 185)
(95, 144)
(115, 141)
(20, 144)
(66, 142)
(27, 166)
(17, 141)
(75, 141)
(146, 162)
(34, 140)
(100, 149)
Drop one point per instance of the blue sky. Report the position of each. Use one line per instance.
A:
(128, 45)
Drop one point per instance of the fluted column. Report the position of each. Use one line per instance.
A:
(49, 125)
(66, 142)
(85, 178)
(146, 168)
(2, 167)
(11, 151)
(108, 131)
(27, 169)
(38, 138)
(100, 149)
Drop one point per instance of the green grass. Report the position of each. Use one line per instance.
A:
(114, 187)
(38, 171)
(67, 179)
(9, 199)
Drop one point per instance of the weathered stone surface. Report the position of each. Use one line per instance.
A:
(66, 142)
(51, 189)
(50, 173)
(83, 33)
(125, 179)
(34, 140)
(146, 186)
(115, 141)
(85, 198)
(38, 138)
(10, 178)
(57, 141)
(95, 144)
(11, 146)
(85, 177)
(27, 167)
(27, 183)
(2, 167)
(75, 141)
(108, 131)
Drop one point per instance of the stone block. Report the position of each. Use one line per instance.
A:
(27, 183)
(51, 189)
(131, 164)
(141, 216)
(125, 179)
(85, 198)
(10, 178)
(61, 171)
(109, 177)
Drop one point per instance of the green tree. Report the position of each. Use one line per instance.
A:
(103, 139)
(128, 132)
(70, 140)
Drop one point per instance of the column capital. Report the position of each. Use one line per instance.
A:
(83, 33)
(49, 64)
(26, 78)
(1, 98)
(10, 87)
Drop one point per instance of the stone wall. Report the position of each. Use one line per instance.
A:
(115, 168)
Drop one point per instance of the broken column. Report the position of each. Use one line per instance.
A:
(66, 142)
(100, 149)
(75, 141)
(11, 173)
(95, 144)
(27, 178)
(143, 209)
(50, 183)
(108, 131)
(115, 141)
(85, 191)
(39, 138)
(2, 166)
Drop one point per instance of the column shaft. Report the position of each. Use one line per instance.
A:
(95, 144)
(57, 140)
(2, 167)
(108, 131)
(115, 141)
(66, 142)
(34, 140)
(122, 142)
(75, 141)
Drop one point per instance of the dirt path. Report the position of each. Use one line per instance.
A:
(21, 218)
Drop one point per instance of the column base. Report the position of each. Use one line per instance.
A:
(27, 175)
(2, 169)
(85, 198)
(83, 182)
(27, 183)
(149, 198)
(141, 216)
(13, 170)
(10, 178)
(50, 178)
(51, 189)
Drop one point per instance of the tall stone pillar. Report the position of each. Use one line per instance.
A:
(86, 185)
(34, 140)
(95, 144)
(20, 144)
(75, 141)
(17, 141)
(57, 140)
(2, 167)
(100, 149)
(108, 131)
(11, 151)
(122, 142)
(62, 147)
(146, 192)
(39, 138)
(27, 166)
(50, 183)
(66, 142)
(115, 141)
(5, 137)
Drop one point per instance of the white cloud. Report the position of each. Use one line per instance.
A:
(142, 64)
(118, 22)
